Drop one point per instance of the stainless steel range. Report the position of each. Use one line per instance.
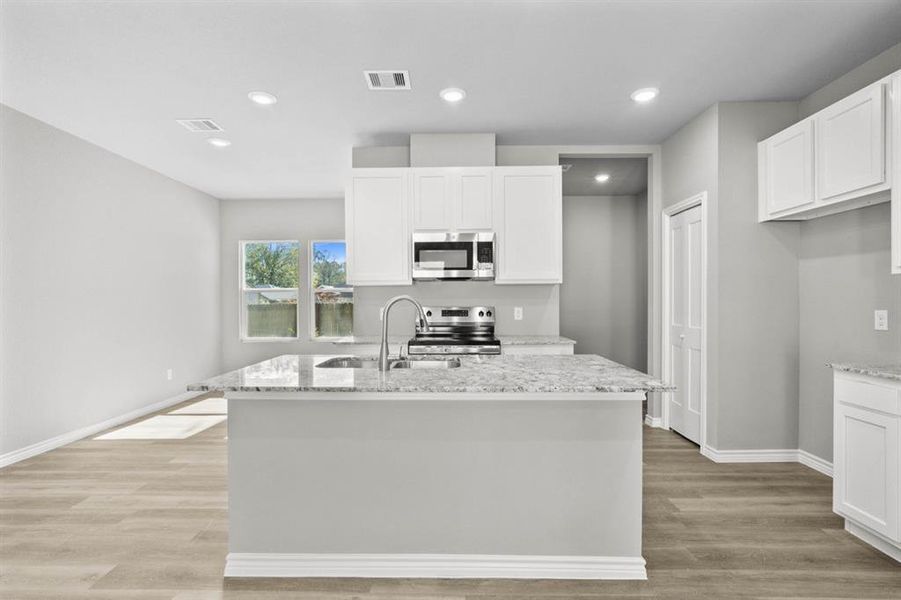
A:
(456, 330)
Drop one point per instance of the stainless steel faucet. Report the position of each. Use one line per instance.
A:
(383, 349)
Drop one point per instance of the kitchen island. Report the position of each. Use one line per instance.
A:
(507, 466)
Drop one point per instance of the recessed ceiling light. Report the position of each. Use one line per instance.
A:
(218, 142)
(452, 94)
(645, 94)
(262, 98)
(602, 177)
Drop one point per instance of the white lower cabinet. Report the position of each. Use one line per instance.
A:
(867, 459)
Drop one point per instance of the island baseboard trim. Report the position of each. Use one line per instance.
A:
(445, 566)
(73, 436)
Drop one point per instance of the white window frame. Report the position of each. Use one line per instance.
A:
(242, 289)
(312, 332)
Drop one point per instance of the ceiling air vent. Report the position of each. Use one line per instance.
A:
(199, 125)
(387, 80)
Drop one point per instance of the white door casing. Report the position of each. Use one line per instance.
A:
(684, 318)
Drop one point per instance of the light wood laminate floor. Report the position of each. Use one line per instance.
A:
(146, 519)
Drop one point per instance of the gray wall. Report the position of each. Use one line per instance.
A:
(304, 220)
(844, 276)
(757, 288)
(877, 67)
(690, 161)
(752, 295)
(109, 276)
(603, 298)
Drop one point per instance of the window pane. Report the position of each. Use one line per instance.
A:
(271, 264)
(333, 297)
(271, 314)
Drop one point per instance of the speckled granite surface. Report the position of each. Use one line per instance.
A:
(513, 340)
(486, 374)
(882, 371)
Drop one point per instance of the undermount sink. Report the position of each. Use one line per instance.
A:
(355, 362)
(437, 363)
(349, 362)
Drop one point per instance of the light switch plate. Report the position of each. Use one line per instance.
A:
(517, 313)
(880, 320)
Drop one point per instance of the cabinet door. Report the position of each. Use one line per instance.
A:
(433, 192)
(851, 144)
(866, 475)
(377, 222)
(473, 200)
(788, 181)
(896, 174)
(528, 210)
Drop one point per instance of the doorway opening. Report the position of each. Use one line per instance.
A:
(604, 294)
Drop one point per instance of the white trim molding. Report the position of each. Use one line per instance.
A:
(653, 421)
(769, 456)
(73, 436)
(815, 462)
(872, 538)
(667, 213)
(749, 456)
(445, 566)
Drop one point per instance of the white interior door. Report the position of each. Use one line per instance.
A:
(686, 244)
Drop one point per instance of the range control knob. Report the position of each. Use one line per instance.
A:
(428, 313)
(482, 313)
(489, 313)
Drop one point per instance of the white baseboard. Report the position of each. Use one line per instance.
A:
(815, 462)
(73, 436)
(653, 421)
(749, 456)
(448, 566)
(769, 456)
(873, 539)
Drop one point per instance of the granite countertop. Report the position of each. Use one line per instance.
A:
(478, 374)
(882, 371)
(511, 340)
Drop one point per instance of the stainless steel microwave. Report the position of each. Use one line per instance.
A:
(453, 256)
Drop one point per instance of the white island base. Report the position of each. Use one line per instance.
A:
(437, 485)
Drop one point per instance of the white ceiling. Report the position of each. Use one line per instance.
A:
(628, 176)
(119, 73)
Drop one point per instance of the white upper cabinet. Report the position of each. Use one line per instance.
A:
(522, 205)
(835, 160)
(528, 212)
(452, 199)
(432, 199)
(786, 181)
(473, 208)
(851, 144)
(377, 216)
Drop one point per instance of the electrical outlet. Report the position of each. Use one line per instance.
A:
(517, 313)
(169, 374)
(880, 320)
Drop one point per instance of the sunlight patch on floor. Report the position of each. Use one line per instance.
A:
(209, 406)
(164, 427)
